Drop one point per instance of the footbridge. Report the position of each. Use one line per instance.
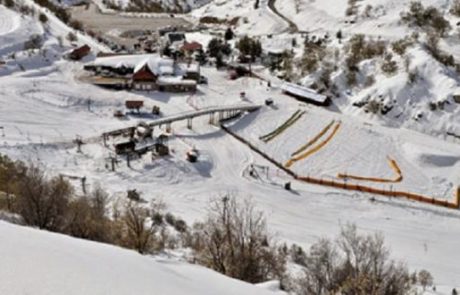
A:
(216, 114)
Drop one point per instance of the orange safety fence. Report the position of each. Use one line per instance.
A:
(389, 193)
(393, 165)
(314, 139)
(306, 154)
(455, 204)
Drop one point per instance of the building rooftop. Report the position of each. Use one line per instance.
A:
(303, 92)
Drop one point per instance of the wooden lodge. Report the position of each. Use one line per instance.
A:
(144, 79)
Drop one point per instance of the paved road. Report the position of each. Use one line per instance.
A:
(292, 26)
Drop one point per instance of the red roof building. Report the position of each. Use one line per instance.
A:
(80, 52)
(191, 47)
(144, 74)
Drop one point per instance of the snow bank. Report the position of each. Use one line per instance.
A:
(39, 262)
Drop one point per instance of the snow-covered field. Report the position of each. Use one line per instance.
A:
(43, 108)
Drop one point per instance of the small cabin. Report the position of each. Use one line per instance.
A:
(80, 52)
(134, 104)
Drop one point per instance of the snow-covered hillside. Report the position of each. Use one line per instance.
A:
(44, 106)
(39, 262)
(419, 95)
(158, 5)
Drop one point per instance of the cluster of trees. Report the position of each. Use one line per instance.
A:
(234, 238)
(314, 53)
(51, 204)
(354, 264)
(358, 49)
(429, 18)
(249, 47)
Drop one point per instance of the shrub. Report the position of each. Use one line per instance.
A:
(314, 52)
(455, 8)
(9, 3)
(25, 9)
(360, 49)
(87, 217)
(351, 78)
(35, 42)
(373, 106)
(43, 203)
(76, 24)
(60, 12)
(401, 45)
(389, 66)
(370, 80)
(137, 227)
(354, 264)
(425, 278)
(43, 18)
(234, 240)
(72, 37)
(10, 174)
(422, 17)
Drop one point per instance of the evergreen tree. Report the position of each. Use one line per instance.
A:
(229, 34)
(201, 57)
(214, 47)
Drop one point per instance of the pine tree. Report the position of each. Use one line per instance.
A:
(229, 34)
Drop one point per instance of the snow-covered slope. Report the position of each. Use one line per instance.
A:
(17, 28)
(39, 262)
(261, 21)
(165, 5)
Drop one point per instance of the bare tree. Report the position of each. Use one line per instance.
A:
(87, 217)
(234, 240)
(139, 226)
(354, 264)
(425, 278)
(43, 203)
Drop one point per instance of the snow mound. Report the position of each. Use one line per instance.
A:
(76, 266)
(426, 156)
(9, 21)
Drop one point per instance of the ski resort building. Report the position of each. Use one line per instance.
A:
(143, 72)
(305, 94)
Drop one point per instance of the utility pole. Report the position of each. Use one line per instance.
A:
(83, 184)
(79, 143)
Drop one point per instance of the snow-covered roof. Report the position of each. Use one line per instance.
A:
(157, 64)
(174, 81)
(303, 92)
